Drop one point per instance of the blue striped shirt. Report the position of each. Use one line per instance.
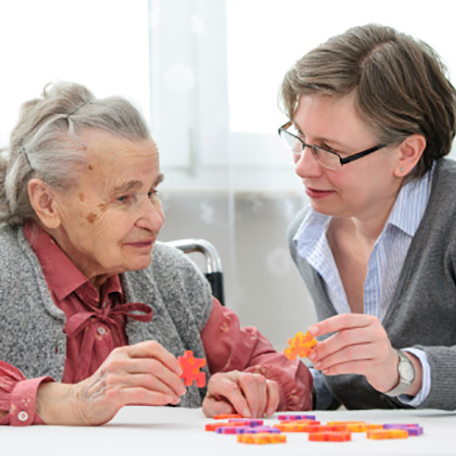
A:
(384, 265)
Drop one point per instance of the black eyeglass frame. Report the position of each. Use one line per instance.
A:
(343, 161)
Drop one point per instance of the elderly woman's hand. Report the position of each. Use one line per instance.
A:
(360, 345)
(250, 395)
(141, 374)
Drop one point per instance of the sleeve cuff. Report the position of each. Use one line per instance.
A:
(22, 403)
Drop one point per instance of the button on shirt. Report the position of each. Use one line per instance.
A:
(95, 320)
(384, 265)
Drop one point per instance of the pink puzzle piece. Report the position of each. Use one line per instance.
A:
(191, 369)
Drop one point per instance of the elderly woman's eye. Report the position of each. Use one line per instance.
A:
(153, 193)
(122, 199)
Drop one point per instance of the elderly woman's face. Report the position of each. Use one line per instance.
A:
(111, 219)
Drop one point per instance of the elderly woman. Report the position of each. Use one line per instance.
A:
(90, 299)
(372, 114)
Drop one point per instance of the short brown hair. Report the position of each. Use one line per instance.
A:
(400, 84)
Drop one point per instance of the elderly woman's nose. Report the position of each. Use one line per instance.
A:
(151, 216)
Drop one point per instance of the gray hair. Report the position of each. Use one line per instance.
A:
(45, 142)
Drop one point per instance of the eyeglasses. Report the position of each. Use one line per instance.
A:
(325, 157)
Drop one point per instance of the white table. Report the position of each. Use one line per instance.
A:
(166, 431)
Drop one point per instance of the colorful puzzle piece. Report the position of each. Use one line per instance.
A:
(300, 345)
(259, 430)
(261, 439)
(230, 430)
(227, 416)
(222, 424)
(357, 426)
(382, 434)
(330, 436)
(247, 422)
(412, 429)
(300, 422)
(295, 417)
(304, 427)
(292, 427)
(191, 369)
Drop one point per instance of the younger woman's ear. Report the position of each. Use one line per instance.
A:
(410, 151)
(43, 202)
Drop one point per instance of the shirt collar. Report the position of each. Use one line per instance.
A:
(406, 214)
(312, 228)
(61, 274)
(410, 204)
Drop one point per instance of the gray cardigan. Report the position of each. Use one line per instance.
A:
(31, 325)
(422, 312)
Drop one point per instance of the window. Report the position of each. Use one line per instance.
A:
(102, 44)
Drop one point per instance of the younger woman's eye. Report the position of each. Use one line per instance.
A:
(331, 149)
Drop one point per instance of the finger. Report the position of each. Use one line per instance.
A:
(153, 384)
(273, 397)
(225, 387)
(254, 389)
(373, 335)
(157, 369)
(152, 349)
(142, 396)
(212, 407)
(340, 322)
(362, 352)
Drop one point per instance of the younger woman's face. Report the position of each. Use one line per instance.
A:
(362, 188)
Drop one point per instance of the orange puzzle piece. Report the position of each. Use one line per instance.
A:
(300, 345)
(291, 427)
(387, 434)
(357, 426)
(261, 438)
(227, 416)
(330, 436)
(191, 369)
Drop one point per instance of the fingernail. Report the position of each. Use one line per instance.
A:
(317, 364)
(313, 330)
(312, 355)
(246, 413)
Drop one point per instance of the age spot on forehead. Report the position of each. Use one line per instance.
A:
(81, 197)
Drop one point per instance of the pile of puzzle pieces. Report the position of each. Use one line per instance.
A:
(254, 431)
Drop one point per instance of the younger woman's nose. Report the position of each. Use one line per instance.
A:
(306, 165)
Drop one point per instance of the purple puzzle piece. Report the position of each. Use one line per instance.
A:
(247, 422)
(258, 429)
(412, 429)
(296, 417)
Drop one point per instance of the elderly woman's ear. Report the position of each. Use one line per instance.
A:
(44, 203)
